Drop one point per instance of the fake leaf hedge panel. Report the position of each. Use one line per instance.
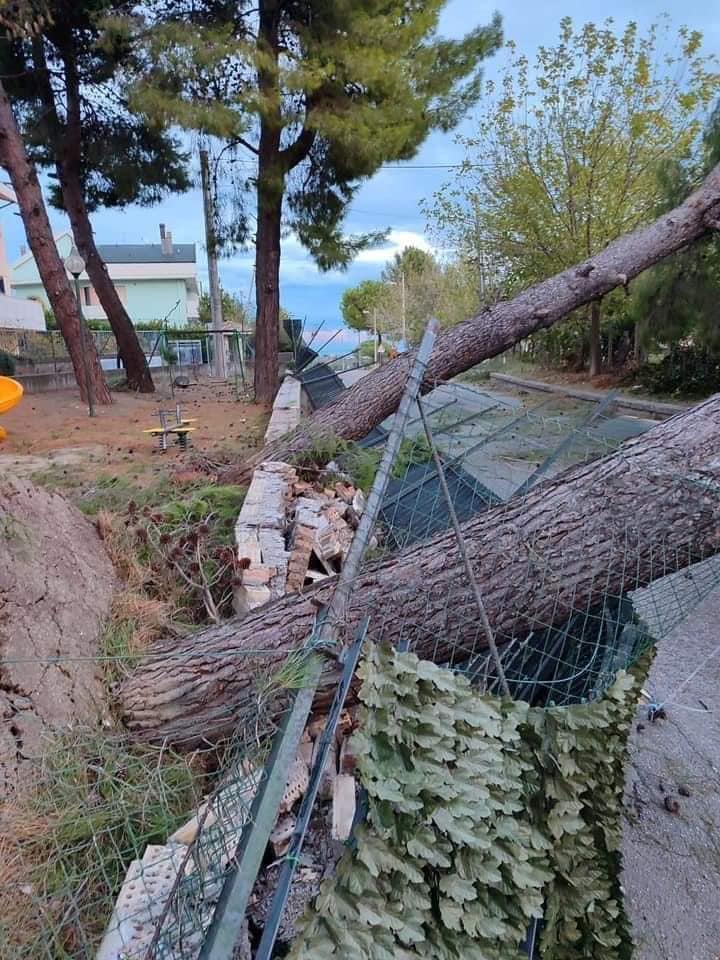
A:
(483, 814)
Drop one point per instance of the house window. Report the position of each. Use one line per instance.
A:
(91, 299)
(2, 284)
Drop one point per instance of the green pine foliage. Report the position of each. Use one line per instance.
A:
(675, 303)
(312, 98)
(483, 814)
(123, 159)
(337, 87)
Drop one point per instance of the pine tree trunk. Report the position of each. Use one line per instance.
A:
(267, 292)
(598, 530)
(129, 349)
(23, 177)
(595, 352)
(67, 150)
(270, 186)
(495, 329)
(638, 348)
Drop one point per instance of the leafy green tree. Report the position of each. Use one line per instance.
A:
(233, 310)
(678, 299)
(365, 307)
(413, 281)
(319, 95)
(67, 86)
(567, 148)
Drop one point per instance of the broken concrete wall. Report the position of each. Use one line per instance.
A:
(287, 409)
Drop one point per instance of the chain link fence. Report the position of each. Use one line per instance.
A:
(121, 850)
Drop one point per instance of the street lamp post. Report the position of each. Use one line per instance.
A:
(401, 283)
(375, 331)
(74, 264)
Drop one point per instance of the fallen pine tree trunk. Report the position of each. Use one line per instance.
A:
(356, 411)
(597, 531)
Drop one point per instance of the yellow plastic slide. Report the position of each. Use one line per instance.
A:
(10, 394)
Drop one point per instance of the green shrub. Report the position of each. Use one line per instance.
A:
(7, 364)
(360, 464)
(168, 354)
(413, 450)
(687, 370)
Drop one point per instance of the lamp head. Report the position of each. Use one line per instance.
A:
(74, 263)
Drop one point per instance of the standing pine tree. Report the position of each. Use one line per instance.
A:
(319, 93)
(66, 85)
(24, 22)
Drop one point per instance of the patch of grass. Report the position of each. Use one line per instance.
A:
(357, 462)
(95, 800)
(135, 621)
(67, 838)
(413, 450)
(114, 493)
(57, 478)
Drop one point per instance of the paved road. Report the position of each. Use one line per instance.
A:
(672, 860)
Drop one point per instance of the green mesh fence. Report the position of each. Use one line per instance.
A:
(119, 851)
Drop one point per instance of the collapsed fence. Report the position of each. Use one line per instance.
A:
(121, 849)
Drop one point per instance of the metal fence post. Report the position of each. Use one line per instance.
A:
(231, 909)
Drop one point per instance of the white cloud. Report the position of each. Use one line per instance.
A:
(397, 241)
(297, 267)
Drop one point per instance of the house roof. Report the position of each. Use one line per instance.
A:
(118, 253)
(146, 253)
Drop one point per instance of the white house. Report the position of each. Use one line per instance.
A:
(15, 313)
(155, 281)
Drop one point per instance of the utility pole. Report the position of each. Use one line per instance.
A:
(480, 256)
(216, 317)
(402, 295)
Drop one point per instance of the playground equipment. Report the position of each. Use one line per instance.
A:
(10, 394)
(180, 429)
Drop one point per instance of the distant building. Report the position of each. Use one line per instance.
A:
(15, 313)
(155, 281)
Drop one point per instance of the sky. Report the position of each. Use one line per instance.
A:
(391, 199)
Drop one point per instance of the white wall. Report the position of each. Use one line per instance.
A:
(19, 314)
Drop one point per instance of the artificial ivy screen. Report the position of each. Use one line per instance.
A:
(483, 814)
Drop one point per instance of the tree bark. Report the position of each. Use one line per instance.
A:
(595, 357)
(638, 348)
(267, 293)
(270, 186)
(68, 165)
(129, 349)
(14, 158)
(356, 411)
(598, 530)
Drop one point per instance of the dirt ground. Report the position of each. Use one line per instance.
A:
(52, 431)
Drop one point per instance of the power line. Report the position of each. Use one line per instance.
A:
(402, 166)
